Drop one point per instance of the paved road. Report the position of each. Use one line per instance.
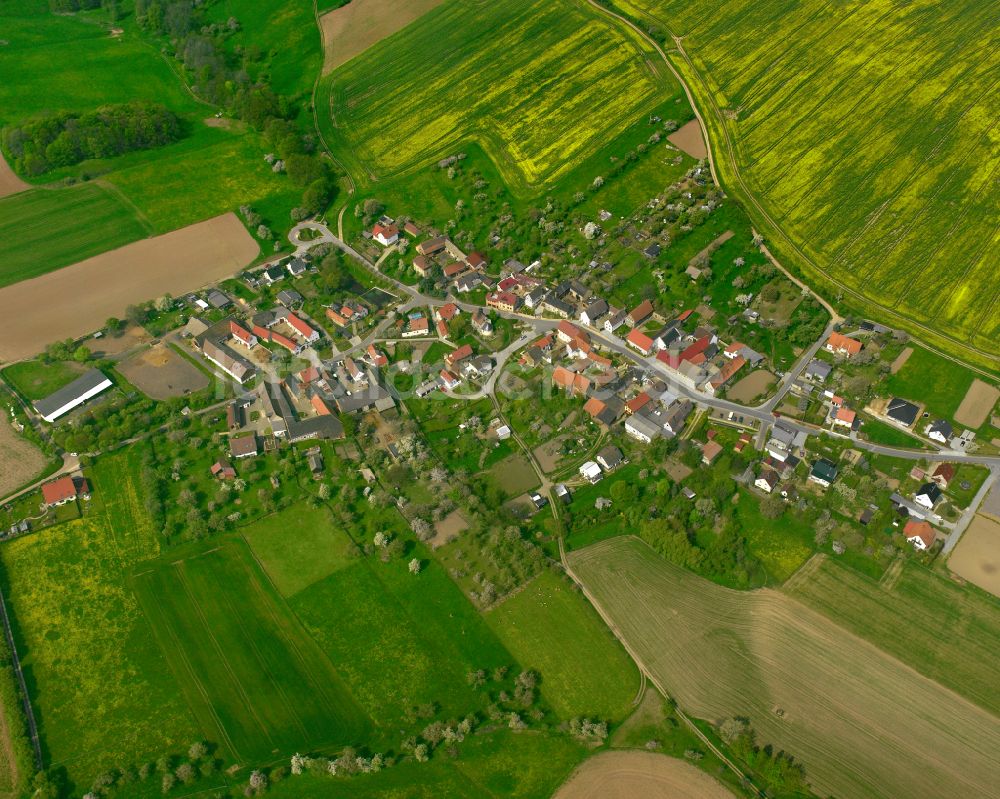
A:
(793, 374)
(970, 512)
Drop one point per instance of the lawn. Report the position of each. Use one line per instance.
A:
(298, 547)
(562, 81)
(513, 475)
(945, 631)
(42, 230)
(782, 545)
(35, 380)
(879, 432)
(102, 691)
(939, 383)
(722, 652)
(551, 628)
(248, 669)
(856, 129)
(400, 640)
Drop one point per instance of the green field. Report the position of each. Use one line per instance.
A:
(400, 640)
(938, 383)
(102, 691)
(943, 630)
(35, 379)
(550, 627)
(298, 547)
(865, 132)
(71, 63)
(42, 230)
(843, 702)
(541, 85)
(248, 669)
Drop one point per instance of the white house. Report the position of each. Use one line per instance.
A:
(590, 471)
(385, 235)
(928, 495)
(940, 431)
(641, 428)
(767, 481)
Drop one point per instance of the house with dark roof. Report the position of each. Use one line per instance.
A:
(823, 472)
(594, 311)
(243, 447)
(818, 370)
(272, 274)
(902, 412)
(297, 267)
(642, 428)
(940, 431)
(943, 475)
(927, 495)
(640, 313)
(767, 481)
(218, 299)
(289, 297)
(610, 457)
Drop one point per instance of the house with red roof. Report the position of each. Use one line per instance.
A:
(920, 534)
(449, 380)
(700, 351)
(442, 328)
(710, 451)
(337, 318)
(455, 269)
(456, 356)
(840, 344)
(640, 341)
(572, 382)
(417, 327)
(242, 335)
(447, 312)
(64, 489)
(503, 301)
(637, 403)
(725, 374)
(376, 358)
(302, 328)
(320, 406)
(943, 474)
(733, 350)
(476, 260)
(423, 265)
(567, 331)
(385, 235)
(223, 470)
(844, 417)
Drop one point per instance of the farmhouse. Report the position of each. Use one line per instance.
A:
(594, 311)
(840, 344)
(640, 341)
(242, 336)
(228, 361)
(423, 265)
(615, 320)
(920, 534)
(63, 490)
(503, 301)
(61, 402)
(243, 447)
(724, 375)
(571, 382)
(386, 235)
(642, 428)
(432, 246)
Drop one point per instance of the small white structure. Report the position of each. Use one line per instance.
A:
(591, 471)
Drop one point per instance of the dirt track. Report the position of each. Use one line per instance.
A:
(76, 300)
(9, 182)
(639, 775)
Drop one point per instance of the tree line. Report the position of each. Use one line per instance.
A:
(65, 138)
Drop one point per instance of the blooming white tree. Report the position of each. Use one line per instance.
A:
(414, 566)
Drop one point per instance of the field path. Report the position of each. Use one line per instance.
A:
(10, 183)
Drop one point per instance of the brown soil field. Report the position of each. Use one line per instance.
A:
(547, 454)
(77, 299)
(160, 373)
(20, 460)
(448, 529)
(350, 30)
(751, 386)
(688, 139)
(901, 360)
(10, 183)
(109, 346)
(862, 723)
(639, 775)
(978, 404)
(977, 556)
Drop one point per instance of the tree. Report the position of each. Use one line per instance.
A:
(772, 507)
(185, 773)
(414, 566)
(164, 303)
(136, 314)
(113, 324)
(81, 354)
(197, 750)
(258, 780)
(169, 781)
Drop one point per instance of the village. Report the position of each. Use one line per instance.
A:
(292, 366)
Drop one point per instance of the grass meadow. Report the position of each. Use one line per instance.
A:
(948, 632)
(938, 383)
(842, 700)
(865, 131)
(541, 86)
(34, 380)
(248, 669)
(550, 627)
(102, 691)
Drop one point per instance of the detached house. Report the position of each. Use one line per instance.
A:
(768, 480)
(594, 311)
(386, 235)
(640, 341)
(840, 344)
(940, 431)
(928, 495)
(639, 314)
(920, 534)
(65, 489)
(823, 472)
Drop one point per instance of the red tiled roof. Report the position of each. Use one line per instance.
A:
(387, 231)
(320, 406)
(284, 341)
(711, 450)
(640, 340)
(594, 406)
(696, 351)
(921, 530)
(240, 332)
(460, 354)
(641, 312)
(475, 259)
(336, 318)
(59, 490)
(637, 402)
(455, 269)
(300, 326)
(447, 311)
(841, 342)
(442, 328)
(846, 415)
(684, 315)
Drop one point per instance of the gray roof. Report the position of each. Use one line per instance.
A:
(88, 381)
(597, 309)
(218, 299)
(825, 470)
(903, 411)
(818, 368)
(640, 423)
(289, 297)
(326, 426)
(611, 455)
